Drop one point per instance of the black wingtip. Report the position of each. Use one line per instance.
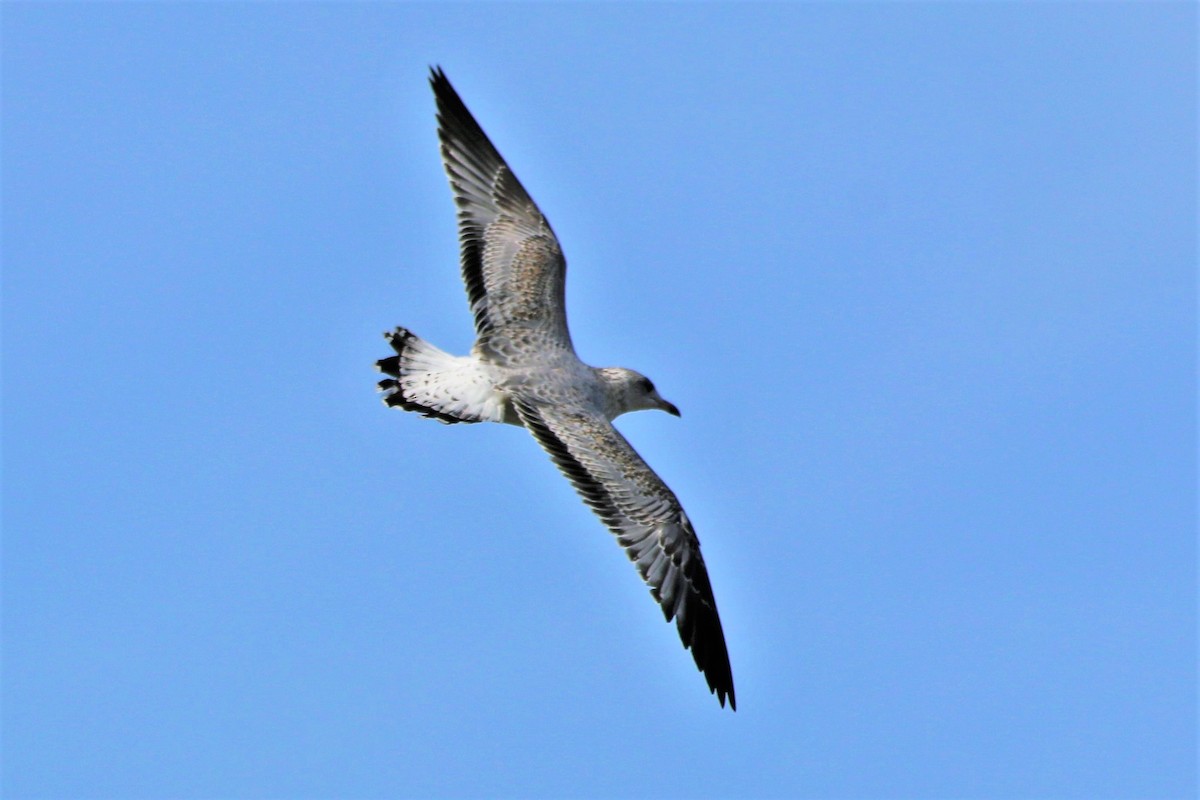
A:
(442, 88)
(720, 682)
(725, 697)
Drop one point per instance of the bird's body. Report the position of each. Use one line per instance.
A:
(523, 370)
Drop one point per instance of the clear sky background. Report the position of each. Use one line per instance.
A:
(922, 279)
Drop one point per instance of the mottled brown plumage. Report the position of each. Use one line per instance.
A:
(523, 371)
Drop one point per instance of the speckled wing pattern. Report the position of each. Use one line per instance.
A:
(515, 276)
(648, 521)
(512, 263)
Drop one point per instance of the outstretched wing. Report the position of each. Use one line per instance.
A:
(511, 261)
(648, 522)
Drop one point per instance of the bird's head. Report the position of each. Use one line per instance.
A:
(629, 390)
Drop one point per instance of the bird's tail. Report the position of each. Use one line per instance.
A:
(434, 383)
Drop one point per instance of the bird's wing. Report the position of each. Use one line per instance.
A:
(647, 520)
(512, 263)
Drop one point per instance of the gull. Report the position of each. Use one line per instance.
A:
(522, 370)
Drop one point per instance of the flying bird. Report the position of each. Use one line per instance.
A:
(522, 370)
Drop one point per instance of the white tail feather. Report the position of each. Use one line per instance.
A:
(432, 382)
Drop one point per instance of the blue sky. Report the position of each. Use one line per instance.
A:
(922, 279)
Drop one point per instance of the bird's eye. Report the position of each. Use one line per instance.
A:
(647, 386)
